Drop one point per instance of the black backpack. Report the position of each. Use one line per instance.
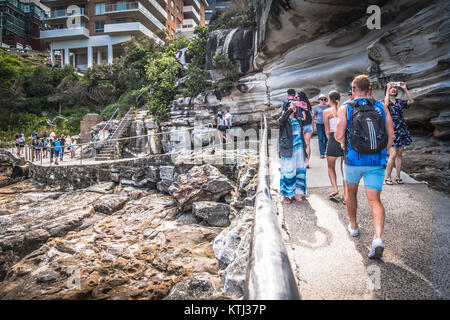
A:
(368, 129)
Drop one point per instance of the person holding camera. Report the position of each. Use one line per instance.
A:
(293, 155)
(306, 116)
(402, 136)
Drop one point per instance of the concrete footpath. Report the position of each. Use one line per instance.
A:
(330, 264)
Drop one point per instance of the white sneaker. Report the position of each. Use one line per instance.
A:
(353, 232)
(377, 249)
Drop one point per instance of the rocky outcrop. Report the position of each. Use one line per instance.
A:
(232, 249)
(139, 252)
(320, 47)
(110, 204)
(199, 287)
(34, 214)
(213, 213)
(427, 160)
(235, 44)
(201, 183)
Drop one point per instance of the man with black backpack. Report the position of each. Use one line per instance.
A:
(365, 131)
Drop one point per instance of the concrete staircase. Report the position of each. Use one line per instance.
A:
(107, 151)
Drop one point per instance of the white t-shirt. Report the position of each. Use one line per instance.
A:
(228, 118)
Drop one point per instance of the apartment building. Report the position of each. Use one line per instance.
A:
(20, 24)
(88, 32)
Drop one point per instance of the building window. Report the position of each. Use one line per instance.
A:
(26, 8)
(173, 4)
(121, 21)
(173, 18)
(100, 26)
(100, 8)
(178, 10)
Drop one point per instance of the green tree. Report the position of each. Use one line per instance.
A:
(163, 74)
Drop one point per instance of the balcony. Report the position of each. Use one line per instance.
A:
(137, 11)
(194, 3)
(191, 13)
(65, 3)
(130, 28)
(189, 25)
(65, 34)
(156, 9)
(58, 16)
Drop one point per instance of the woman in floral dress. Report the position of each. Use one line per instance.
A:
(293, 156)
(402, 137)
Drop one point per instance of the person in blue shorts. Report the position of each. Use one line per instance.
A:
(57, 149)
(371, 167)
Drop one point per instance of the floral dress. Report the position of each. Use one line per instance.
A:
(293, 170)
(402, 136)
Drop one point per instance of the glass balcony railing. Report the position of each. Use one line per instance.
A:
(62, 13)
(133, 6)
(159, 8)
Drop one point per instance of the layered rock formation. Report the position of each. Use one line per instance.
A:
(119, 241)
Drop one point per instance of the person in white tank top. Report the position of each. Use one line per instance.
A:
(334, 149)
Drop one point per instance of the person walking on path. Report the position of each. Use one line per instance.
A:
(72, 145)
(228, 122)
(62, 141)
(334, 149)
(45, 147)
(221, 127)
(17, 145)
(37, 148)
(402, 136)
(320, 127)
(57, 149)
(51, 145)
(21, 142)
(306, 116)
(293, 155)
(365, 125)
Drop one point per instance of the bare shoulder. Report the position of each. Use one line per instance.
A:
(342, 111)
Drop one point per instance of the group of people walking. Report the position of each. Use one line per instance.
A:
(359, 133)
(224, 123)
(44, 147)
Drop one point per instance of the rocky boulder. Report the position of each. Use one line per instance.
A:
(199, 287)
(214, 213)
(232, 250)
(110, 204)
(204, 183)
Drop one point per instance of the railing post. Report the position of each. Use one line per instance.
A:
(81, 155)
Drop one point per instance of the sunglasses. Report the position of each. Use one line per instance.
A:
(323, 99)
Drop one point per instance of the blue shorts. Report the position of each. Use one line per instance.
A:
(373, 176)
(308, 128)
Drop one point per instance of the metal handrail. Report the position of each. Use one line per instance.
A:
(125, 117)
(106, 125)
(269, 273)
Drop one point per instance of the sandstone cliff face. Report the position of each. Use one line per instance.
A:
(321, 46)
